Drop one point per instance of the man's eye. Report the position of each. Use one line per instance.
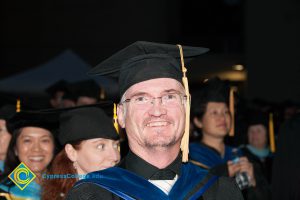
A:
(140, 99)
(171, 96)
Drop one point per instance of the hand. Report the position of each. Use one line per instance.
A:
(233, 168)
(246, 166)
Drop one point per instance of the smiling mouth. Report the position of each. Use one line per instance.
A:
(36, 158)
(157, 124)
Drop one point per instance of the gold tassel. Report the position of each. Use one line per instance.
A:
(185, 138)
(115, 118)
(231, 109)
(271, 133)
(102, 93)
(18, 105)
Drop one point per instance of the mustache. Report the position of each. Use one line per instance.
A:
(158, 119)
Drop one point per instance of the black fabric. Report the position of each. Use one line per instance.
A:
(7, 111)
(142, 168)
(85, 123)
(143, 61)
(265, 165)
(85, 88)
(22, 119)
(55, 87)
(286, 165)
(257, 118)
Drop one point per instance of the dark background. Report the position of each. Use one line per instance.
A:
(261, 35)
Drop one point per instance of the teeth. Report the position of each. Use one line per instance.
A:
(153, 124)
(37, 158)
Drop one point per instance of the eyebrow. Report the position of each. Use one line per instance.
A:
(164, 91)
(98, 140)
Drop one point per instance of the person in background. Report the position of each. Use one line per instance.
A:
(212, 116)
(257, 150)
(90, 143)
(6, 112)
(87, 92)
(33, 144)
(153, 110)
(56, 91)
(286, 165)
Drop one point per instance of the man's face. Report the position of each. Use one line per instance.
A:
(153, 125)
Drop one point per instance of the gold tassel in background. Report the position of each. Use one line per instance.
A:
(271, 133)
(231, 109)
(18, 105)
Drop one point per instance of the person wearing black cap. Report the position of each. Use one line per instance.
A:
(90, 143)
(33, 144)
(87, 92)
(6, 112)
(257, 149)
(211, 115)
(154, 109)
(56, 92)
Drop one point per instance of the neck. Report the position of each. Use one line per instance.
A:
(214, 142)
(159, 157)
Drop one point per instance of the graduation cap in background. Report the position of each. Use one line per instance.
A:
(85, 122)
(56, 87)
(257, 118)
(39, 119)
(85, 88)
(212, 90)
(7, 111)
(142, 61)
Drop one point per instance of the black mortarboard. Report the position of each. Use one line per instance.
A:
(86, 88)
(256, 118)
(212, 90)
(86, 122)
(39, 119)
(143, 61)
(57, 86)
(7, 111)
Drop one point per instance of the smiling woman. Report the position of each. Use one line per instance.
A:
(32, 143)
(90, 143)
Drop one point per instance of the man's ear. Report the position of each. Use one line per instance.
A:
(121, 115)
(71, 152)
(197, 122)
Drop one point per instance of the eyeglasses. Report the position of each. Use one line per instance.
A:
(170, 99)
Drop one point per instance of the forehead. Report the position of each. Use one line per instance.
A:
(257, 126)
(212, 105)
(155, 86)
(35, 132)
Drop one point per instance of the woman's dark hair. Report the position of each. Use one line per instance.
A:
(12, 161)
(56, 188)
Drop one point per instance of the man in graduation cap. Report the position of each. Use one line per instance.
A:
(154, 110)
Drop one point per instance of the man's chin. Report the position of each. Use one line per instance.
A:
(160, 143)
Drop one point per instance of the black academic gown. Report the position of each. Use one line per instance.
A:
(221, 187)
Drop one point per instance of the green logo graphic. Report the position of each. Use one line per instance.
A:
(22, 176)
